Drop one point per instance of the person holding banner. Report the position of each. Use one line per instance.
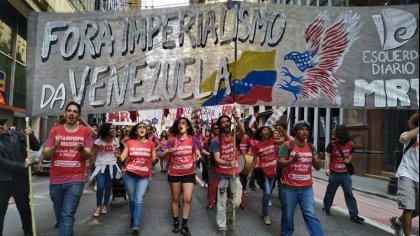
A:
(297, 158)
(14, 174)
(139, 154)
(226, 155)
(69, 146)
(183, 151)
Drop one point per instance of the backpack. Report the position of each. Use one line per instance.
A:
(400, 155)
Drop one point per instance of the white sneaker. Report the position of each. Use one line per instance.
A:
(267, 220)
(269, 203)
(206, 185)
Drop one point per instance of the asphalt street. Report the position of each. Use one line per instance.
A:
(157, 216)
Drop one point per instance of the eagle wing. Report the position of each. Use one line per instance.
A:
(334, 44)
(314, 31)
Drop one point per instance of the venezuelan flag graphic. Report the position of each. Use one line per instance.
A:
(252, 79)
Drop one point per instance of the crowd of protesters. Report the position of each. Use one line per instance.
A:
(230, 158)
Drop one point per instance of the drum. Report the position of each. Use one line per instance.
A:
(245, 164)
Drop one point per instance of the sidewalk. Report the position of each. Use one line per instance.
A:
(362, 184)
(374, 203)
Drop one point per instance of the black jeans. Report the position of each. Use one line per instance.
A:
(19, 189)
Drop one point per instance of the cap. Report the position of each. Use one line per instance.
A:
(300, 124)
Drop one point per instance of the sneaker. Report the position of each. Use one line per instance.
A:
(56, 225)
(267, 220)
(357, 219)
(206, 185)
(397, 226)
(326, 212)
(135, 231)
(269, 203)
(209, 207)
(185, 231)
(221, 232)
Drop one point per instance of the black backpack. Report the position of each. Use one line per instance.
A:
(400, 155)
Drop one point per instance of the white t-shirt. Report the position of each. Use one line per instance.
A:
(409, 166)
(106, 152)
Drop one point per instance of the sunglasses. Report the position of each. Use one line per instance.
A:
(215, 128)
(2, 123)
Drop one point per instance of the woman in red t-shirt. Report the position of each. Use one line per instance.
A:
(184, 151)
(139, 153)
(265, 154)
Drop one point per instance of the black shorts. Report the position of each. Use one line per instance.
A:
(182, 178)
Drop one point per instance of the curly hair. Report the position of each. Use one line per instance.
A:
(104, 130)
(133, 131)
(258, 134)
(175, 129)
(413, 122)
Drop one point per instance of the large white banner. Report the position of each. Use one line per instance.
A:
(216, 54)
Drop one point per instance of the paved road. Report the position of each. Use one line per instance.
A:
(157, 218)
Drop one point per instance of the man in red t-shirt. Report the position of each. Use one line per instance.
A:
(69, 146)
(226, 162)
(296, 181)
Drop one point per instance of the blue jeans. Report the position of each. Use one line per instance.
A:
(305, 198)
(104, 186)
(268, 186)
(65, 198)
(136, 188)
(344, 179)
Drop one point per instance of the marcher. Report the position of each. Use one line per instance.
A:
(162, 143)
(70, 146)
(297, 181)
(184, 151)
(14, 179)
(139, 154)
(226, 157)
(279, 134)
(265, 154)
(105, 150)
(408, 179)
(204, 156)
(245, 148)
(212, 190)
(338, 153)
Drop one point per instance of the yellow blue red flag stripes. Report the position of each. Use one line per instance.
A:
(252, 77)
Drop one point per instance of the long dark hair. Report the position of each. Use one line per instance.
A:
(175, 129)
(104, 130)
(219, 122)
(133, 131)
(258, 134)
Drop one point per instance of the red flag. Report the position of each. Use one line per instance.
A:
(133, 116)
(179, 112)
(165, 112)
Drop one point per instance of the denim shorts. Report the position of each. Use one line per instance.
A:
(182, 178)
